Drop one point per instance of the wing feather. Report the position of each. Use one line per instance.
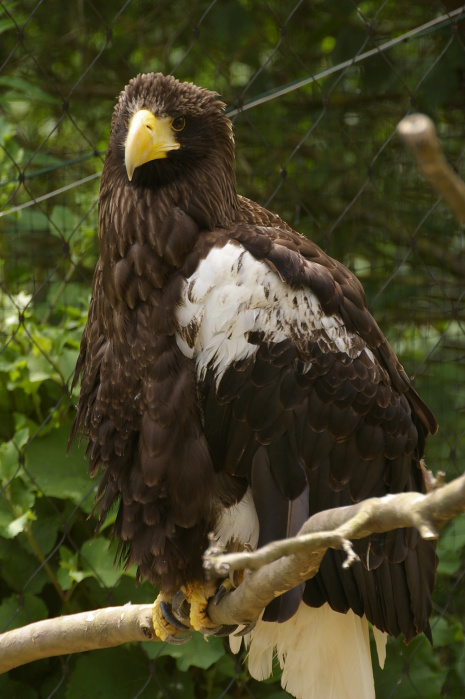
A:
(317, 408)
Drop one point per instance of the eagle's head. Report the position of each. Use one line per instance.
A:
(168, 134)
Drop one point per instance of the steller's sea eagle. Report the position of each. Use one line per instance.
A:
(233, 381)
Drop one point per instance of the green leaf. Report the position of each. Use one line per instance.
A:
(9, 454)
(32, 219)
(446, 632)
(97, 557)
(9, 461)
(14, 689)
(200, 652)
(26, 89)
(15, 508)
(126, 590)
(450, 545)
(20, 524)
(15, 612)
(106, 674)
(21, 438)
(68, 478)
(40, 368)
(63, 219)
(460, 664)
(70, 571)
(6, 516)
(46, 525)
(20, 567)
(22, 495)
(414, 670)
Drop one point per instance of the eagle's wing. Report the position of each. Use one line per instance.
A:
(303, 397)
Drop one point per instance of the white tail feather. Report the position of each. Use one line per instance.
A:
(381, 641)
(323, 654)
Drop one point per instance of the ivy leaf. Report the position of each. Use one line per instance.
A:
(446, 632)
(9, 454)
(413, 666)
(20, 524)
(450, 545)
(67, 481)
(70, 571)
(16, 611)
(200, 652)
(46, 525)
(15, 508)
(16, 690)
(19, 567)
(460, 665)
(117, 672)
(5, 517)
(97, 557)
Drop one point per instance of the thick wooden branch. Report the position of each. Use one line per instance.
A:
(76, 633)
(418, 132)
(270, 571)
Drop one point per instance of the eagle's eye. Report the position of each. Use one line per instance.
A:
(178, 123)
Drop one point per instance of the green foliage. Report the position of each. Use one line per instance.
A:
(325, 159)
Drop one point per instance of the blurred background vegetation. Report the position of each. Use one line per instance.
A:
(326, 158)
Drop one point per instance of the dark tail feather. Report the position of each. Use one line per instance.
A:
(279, 518)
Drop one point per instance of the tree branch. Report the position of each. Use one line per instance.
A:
(269, 572)
(418, 132)
(76, 633)
(282, 565)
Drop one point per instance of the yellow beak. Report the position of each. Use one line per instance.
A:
(149, 138)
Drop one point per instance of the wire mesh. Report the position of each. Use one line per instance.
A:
(315, 92)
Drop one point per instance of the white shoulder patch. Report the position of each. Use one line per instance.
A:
(232, 294)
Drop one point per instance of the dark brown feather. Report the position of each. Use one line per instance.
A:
(305, 425)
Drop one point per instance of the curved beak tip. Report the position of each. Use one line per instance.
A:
(129, 170)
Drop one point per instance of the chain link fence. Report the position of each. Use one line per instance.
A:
(315, 90)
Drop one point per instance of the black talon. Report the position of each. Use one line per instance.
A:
(178, 640)
(170, 618)
(220, 593)
(225, 631)
(247, 629)
(215, 631)
(181, 607)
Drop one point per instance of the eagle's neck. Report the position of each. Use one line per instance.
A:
(206, 194)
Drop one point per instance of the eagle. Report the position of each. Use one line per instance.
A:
(233, 381)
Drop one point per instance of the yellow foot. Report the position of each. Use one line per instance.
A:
(162, 627)
(198, 597)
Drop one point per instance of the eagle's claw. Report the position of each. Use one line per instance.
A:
(221, 592)
(246, 629)
(178, 640)
(189, 607)
(222, 630)
(171, 618)
(181, 607)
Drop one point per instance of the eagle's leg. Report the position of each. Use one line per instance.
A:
(165, 624)
(190, 607)
(198, 598)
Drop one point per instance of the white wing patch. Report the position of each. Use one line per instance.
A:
(232, 294)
